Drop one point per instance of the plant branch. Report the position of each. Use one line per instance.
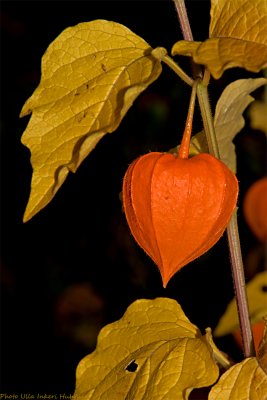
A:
(240, 287)
(183, 19)
(187, 32)
(232, 229)
(232, 233)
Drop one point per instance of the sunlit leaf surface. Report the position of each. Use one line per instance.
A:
(153, 352)
(244, 381)
(91, 75)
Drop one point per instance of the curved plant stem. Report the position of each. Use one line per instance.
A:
(217, 355)
(232, 229)
(175, 67)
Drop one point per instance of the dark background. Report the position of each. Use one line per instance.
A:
(74, 267)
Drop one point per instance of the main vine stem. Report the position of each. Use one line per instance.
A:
(232, 229)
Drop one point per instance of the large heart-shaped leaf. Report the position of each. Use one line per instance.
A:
(153, 352)
(91, 75)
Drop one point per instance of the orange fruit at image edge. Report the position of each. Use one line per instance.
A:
(255, 208)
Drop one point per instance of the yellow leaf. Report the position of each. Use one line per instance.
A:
(258, 116)
(257, 299)
(153, 352)
(198, 144)
(257, 111)
(91, 74)
(228, 120)
(237, 37)
(244, 381)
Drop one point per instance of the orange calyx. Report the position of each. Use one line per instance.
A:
(176, 208)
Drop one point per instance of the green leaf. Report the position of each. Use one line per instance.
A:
(237, 37)
(91, 74)
(153, 352)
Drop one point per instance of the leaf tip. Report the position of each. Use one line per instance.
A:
(27, 215)
(25, 218)
(25, 110)
(32, 208)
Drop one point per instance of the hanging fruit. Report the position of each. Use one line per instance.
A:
(255, 208)
(178, 208)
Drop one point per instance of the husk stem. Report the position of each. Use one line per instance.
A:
(185, 144)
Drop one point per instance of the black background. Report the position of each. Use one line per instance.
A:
(81, 238)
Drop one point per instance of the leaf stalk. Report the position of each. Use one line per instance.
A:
(203, 99)
(178, 70)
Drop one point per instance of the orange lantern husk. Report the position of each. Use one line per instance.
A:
(176, 208)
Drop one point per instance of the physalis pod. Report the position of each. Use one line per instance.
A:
(177, 207)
